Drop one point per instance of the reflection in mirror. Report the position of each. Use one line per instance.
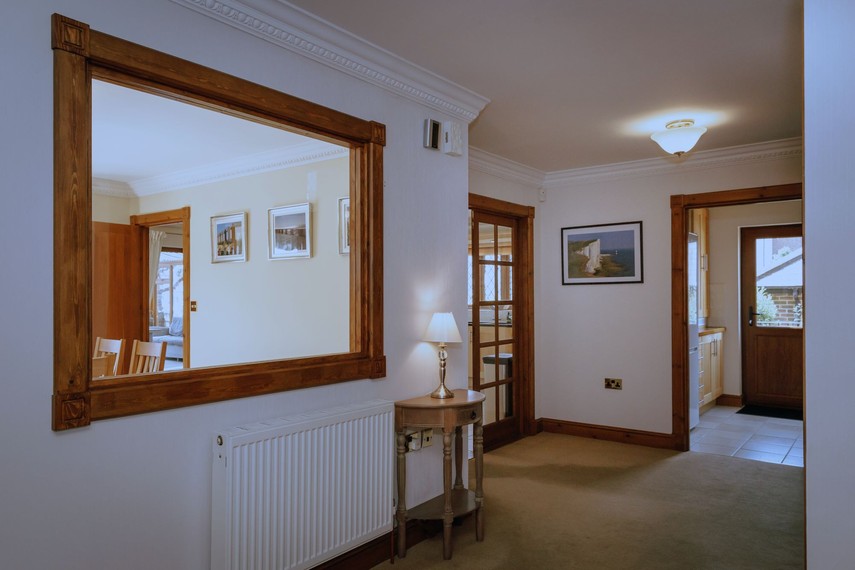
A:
(151, 156)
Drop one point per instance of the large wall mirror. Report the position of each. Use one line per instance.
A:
(214, 238)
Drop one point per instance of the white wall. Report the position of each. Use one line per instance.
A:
(264, 309)
(724, 273)
(517, 192)
(588, 332)
(135, 492)
(113, 209)
(829, 272)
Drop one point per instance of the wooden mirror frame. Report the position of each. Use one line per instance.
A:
(81, 53)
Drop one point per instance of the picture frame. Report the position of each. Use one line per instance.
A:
(289, 231)
(344, 225)
(228, 237)
(601, 254)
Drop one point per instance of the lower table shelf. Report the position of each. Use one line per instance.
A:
(462, 502)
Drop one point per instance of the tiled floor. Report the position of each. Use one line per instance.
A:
(724, 432)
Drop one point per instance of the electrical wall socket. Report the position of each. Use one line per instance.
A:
(414, 441)
(614, 384)
(427, 437)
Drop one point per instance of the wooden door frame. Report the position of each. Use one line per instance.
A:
(182, 216)
(524, 277)
(680, 205)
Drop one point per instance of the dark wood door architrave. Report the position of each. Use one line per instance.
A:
(680, 205)
(524, 295)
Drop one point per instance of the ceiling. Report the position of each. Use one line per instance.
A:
(167, 144)
(578, 83)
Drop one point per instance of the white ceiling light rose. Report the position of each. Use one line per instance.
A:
(679, 137)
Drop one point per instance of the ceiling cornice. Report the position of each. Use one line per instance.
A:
(107, 187)
(785, 149)
(267, 161)
(495, 165)
(292, 28)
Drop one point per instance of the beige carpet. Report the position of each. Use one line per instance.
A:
(555, 501)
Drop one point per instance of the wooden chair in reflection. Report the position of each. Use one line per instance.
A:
(147, 357)
(108, 357)
(103, 366)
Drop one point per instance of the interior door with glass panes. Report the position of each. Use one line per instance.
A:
(491, 331)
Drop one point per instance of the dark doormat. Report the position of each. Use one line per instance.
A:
(767, 412)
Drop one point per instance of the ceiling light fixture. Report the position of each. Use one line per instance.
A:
(679, 136)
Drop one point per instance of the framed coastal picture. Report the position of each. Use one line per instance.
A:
(228, 237)
(604, 253)
(344, 225)
(290, 231)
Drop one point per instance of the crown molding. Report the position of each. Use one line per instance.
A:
(292, 28)
(493, 164)
(115, 188)
(266, 161)
(785, 149)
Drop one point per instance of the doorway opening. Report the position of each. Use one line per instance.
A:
(166, 277)
(501, 322)
(683, 208)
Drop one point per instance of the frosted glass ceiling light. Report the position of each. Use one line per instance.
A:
(679, 137)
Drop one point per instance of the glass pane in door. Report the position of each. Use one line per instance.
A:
(504, 242)
(488, 371)
(779, 282)
(489, 282)
(505, 283)
(486, 241)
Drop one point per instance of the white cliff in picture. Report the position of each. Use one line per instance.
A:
(290, 231)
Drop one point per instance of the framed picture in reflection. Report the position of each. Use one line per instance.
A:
(344, 225)
(228, 237)
(290, 231)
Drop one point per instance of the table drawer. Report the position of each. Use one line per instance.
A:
(469, 415)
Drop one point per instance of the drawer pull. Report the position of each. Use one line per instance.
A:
(473, 415)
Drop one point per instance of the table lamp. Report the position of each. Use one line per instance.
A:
(442, 330)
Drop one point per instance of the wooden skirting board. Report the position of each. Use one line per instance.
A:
(729, 400)
(622, 435)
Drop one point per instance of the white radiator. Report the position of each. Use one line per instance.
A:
(293, 492)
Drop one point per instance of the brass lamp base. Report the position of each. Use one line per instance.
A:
(442, 392)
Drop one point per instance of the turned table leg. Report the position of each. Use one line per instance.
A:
(458, 457)
(448, 513)
(479, 480)
(401, 514)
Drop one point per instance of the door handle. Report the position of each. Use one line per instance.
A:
(751, 315)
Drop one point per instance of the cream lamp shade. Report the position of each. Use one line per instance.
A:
(679, 137)
(442, 330)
